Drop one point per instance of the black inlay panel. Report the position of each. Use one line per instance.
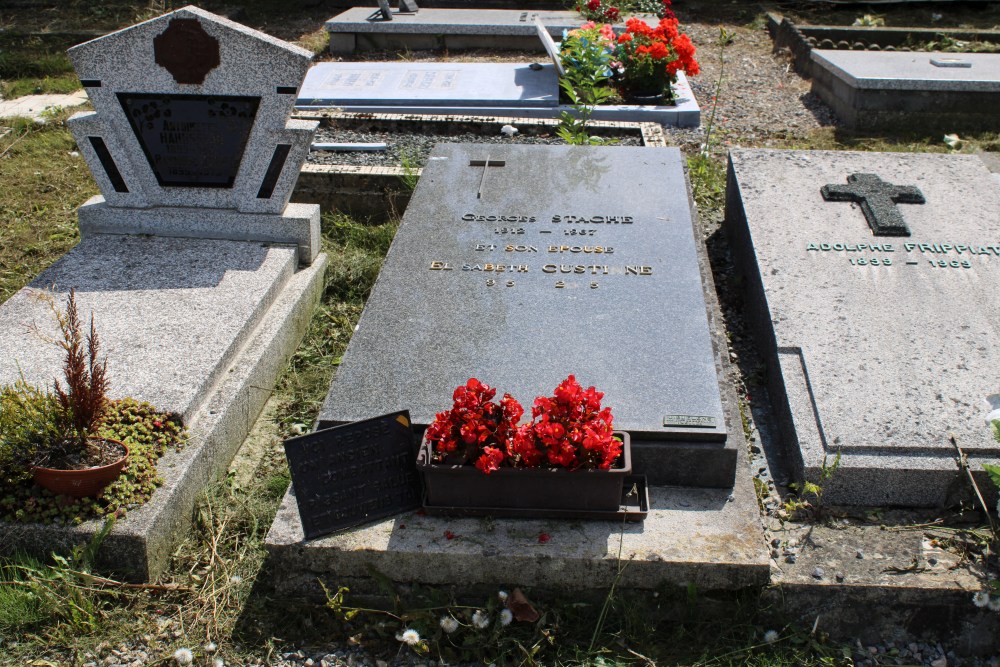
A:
(274, 171)
(193, 141)
(110, 168)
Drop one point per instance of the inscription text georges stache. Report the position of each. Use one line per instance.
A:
(592, 251)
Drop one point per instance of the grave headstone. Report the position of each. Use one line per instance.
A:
(872, 89)
(872, 288)
(520, 265)
(182, 122)
(199, 274)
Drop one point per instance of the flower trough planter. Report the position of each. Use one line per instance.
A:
(536, 493)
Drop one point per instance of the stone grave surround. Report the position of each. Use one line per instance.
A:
(186, 117)
(948, 91)
(519, 265)
(872, 290)
(199, 276)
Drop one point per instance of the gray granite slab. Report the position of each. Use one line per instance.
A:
(171, 313)
(192, 110)
(510, 22)
(912, 70)
(683, 112)
(878, 347)
(429, 84)
(575, 260)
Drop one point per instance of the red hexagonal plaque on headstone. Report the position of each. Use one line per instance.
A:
(186, 51)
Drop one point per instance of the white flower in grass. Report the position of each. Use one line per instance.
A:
(994, 604)
(218, 662)
(235, 579)
(506, 616)
(771, 636)
(981, 599)
(502, 595)
(448, 624)
(183, 656)
(409, 636)
(481, 619)
(210, 647)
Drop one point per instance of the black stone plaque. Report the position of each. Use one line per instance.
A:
(194, 141)
(351, 474)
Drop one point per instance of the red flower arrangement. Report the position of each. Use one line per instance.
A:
(599, 10)
(476, 429)
(649, 58)
(569, 429)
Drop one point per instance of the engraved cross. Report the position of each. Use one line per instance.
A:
(485, 164)
(878, 201)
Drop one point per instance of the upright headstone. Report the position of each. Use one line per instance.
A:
(183, 120)
(520, 265)
(873, 289)
(385, 9)
(408, 6)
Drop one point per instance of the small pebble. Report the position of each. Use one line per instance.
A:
(818, 573)
(790, 558)
(839, 576)
(860, 555)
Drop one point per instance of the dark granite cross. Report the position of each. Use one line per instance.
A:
(878, 201)
(485, 164)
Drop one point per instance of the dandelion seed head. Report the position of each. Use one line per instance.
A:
(506, 616)
(210, 647)
(981, 599)
(448, 624)
(218, 662)
(994, 604)
(183, 656)
(409, 636)
(771, 636)
(502, 595)
(481, 619)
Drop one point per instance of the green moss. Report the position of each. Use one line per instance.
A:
(146, 432)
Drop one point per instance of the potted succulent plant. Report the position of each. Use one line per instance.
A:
(61, 444)
(567, 458)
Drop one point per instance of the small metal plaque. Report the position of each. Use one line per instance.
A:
(950, 62)
(191, 140)
(690, 421)
(348, 475)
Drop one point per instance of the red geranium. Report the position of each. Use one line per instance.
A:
(569, 429)
(650, 57)
(476, 429)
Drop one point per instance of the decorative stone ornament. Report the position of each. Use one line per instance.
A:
(191, 110)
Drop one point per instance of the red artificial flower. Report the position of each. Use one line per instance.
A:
(448, 535)
(543, 538)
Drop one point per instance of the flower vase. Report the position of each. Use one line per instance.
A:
(538, 490)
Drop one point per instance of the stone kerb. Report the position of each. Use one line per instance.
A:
(186, 118)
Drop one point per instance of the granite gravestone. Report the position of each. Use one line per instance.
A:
(183, 120)
(199, 274)
(947, 91)
(429, 85)
(520, 265)
(872, 282)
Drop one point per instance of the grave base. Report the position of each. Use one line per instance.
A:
(226, 335)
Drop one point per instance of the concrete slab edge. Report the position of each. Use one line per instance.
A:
(140, 545)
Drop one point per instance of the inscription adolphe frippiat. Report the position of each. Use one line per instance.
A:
(191, 140)
(351, 474)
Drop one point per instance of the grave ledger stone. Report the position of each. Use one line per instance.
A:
(200, 276)
(520, 265)
(184, 119)
(872, 283)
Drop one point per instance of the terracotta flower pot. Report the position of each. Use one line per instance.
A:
(80, 483)
(537, 489)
